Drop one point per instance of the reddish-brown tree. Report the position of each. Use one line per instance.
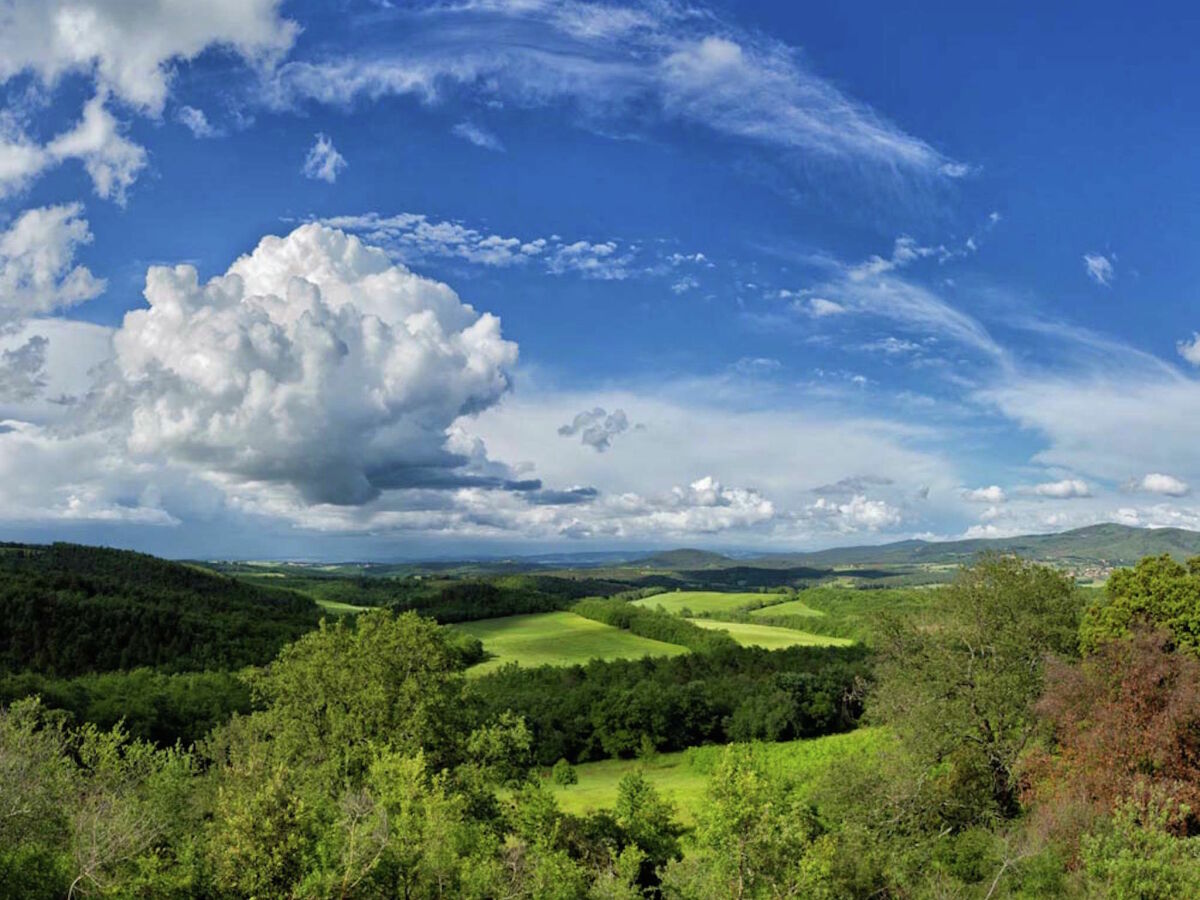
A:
(1125, 721)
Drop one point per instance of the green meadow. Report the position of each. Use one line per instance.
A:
(787, 608)
(557, 639)
(771, 637)
(706, 602)
(336, 606)
(682, 777)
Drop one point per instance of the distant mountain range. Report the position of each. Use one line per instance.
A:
(1100, 545)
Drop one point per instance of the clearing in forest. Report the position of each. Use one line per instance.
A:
(682, 777)
(557, 639)
(770, 636)
(707, 602)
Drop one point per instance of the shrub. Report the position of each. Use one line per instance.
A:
(564, 773)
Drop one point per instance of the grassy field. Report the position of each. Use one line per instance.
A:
(770, 636)
(336, 607)
(849, 612)
(683, 777)
(706, 601)
(558, 639)
(789, 608)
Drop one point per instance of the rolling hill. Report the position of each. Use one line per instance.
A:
(67, 610)
(685, 558)
(1108, 544)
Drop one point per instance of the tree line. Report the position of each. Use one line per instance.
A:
(623, 707)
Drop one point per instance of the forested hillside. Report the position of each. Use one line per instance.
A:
(447, 598)
(68, 610)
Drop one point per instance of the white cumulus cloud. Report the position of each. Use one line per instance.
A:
(112, 160)
(414, 237)
(856, 514)
(1065, 489)
(601, 260)
(127, 50)
(596, 427)
(991, 494)
(819, 307)
(38, 272)
(196, 122)
(128, 46)
(314, 365)
(97, 140)
(1160, 483)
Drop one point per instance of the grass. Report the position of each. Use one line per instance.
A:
(557, 639)
(772, 637)
(849, 612)
(336, 606)
(788, 608)
(683, 777)
(706, 601)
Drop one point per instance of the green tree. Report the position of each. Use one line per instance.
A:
(37, 783)
(419, 835)
(1158, 592)
(265, 823)
(754, 838)
(132, 815)
(958, 686)
(90, 812)
(535, 862)
(331, 789)
(649, 822)
(383, 679)
(1134, 856)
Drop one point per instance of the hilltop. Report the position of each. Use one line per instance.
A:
(1107, 544)
(685, 558)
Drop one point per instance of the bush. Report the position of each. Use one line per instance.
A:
(564, 773)
(1136, 856)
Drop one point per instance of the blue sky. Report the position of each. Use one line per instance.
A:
(500, 276)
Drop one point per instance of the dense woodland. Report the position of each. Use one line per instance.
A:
(67, 610)
(1044, 742)
(624, 707)
(463, 599)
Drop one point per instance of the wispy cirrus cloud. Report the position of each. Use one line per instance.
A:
(880, 287)
(477, 135)
(653, 61)
(1099, 268)
(414, 237)
(916, 307)
(323, 161)
(196, 121)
